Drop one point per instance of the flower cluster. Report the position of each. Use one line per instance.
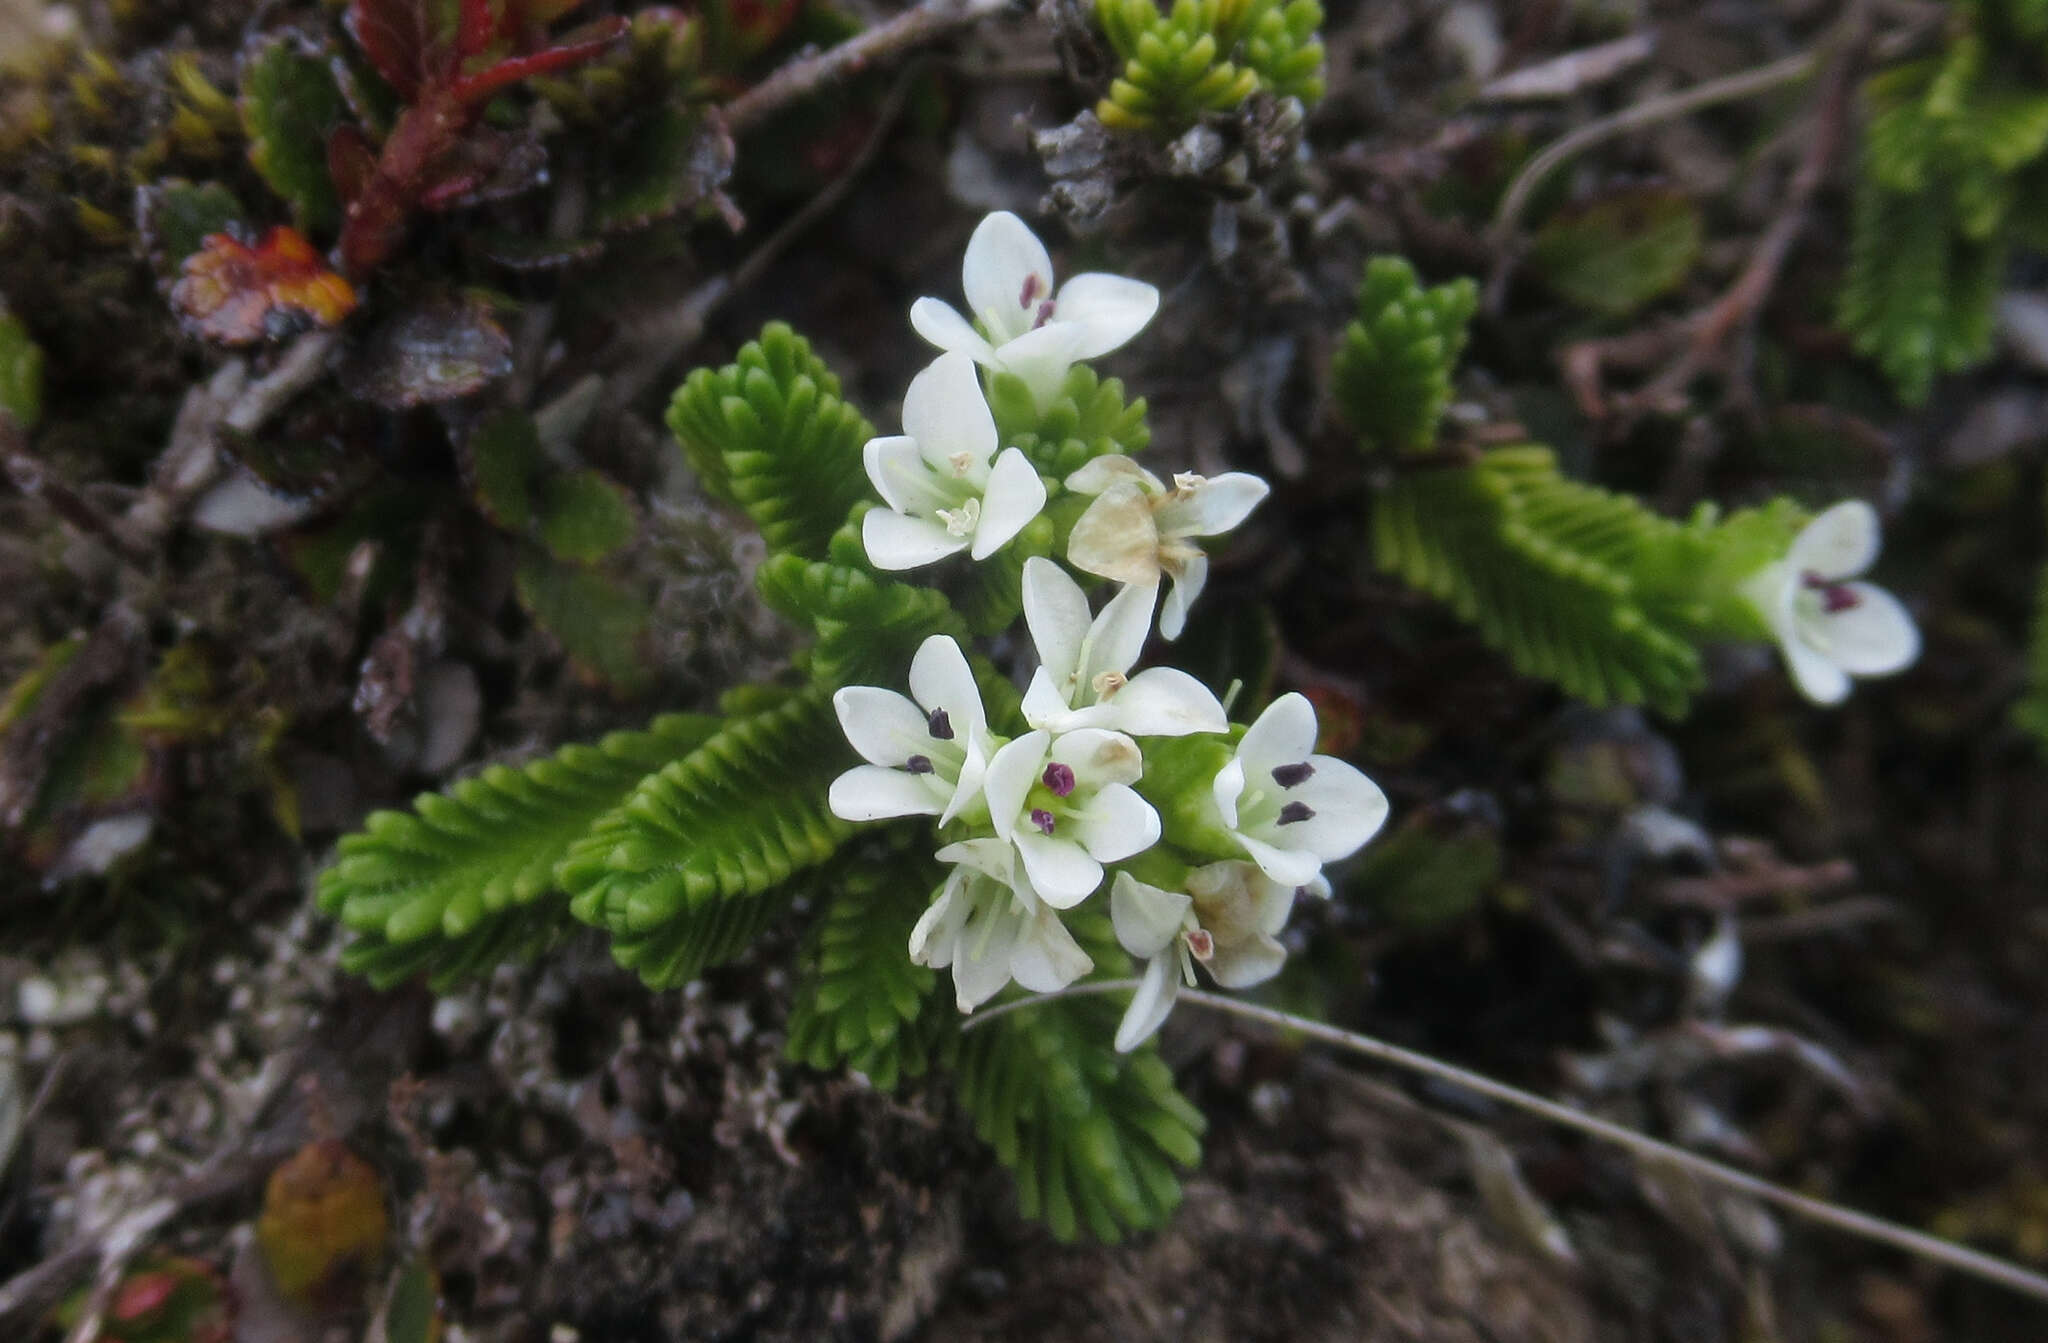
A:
(1037, 821)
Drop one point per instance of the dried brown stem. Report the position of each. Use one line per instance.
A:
(800, 78)
(27, 474)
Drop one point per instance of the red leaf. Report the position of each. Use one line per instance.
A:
(479, 26)
(236, 294)
(571, 49)
(537, 13)
(401, 39)
(351, 163)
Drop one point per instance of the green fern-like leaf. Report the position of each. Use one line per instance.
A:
(1093, 1137)
(465, 880)
(769, 433)
(1392, 374)
(1088, 419)
(1177, 66)
(1550, 572)
(1917, 296)
(868, 625)
(861, 1001)
(696, 860)
(1283, 47)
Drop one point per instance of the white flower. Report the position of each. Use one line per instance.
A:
(926, 758)
(1138, 529)
(990, 926)
(1031, 331)
(1229, 920)
(1067, 805)
(1083, 664)
(1829, 628)
(944, 496)
(1288, 808)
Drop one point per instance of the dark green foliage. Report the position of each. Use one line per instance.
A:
(1392, 373)
(465, 880)
(769, 433)
(697, 859)
(1620, 250)
(861, 1001)
(1955, 151)
(21, 371)
(868, 625)
(991, 595)
(1207, 56)
(600, 624)
(1088, 419)
(1548, 570)
(1093, 1137)
(289, 105)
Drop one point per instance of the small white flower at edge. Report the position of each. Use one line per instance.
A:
(1288, 808)
(1067, 804)
(1032, 331)
(1083, 675)
(1830, 628)
(1138, 529)
(944, 495)
(1229, 920)
(990, 926)
(925, 758)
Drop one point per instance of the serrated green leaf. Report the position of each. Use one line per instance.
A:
(502, 456)
(672, 161)
(179, 215)
(861, 1001)
(1392, 373)
(21, 371)
(465, 881)
(868, 625)
(600, 623)
(700, 856)
(584, 517)
(289, 104)
(1615, 254)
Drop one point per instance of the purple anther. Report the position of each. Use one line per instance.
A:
(1033, 287)
(1045, 311)
(940, 726)
(1059, 778)
(1288, 776)
(1202, 943)
(1835, 598)
(1295, 811)
(1042, 818)
(919, 764)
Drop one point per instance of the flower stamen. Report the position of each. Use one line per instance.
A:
(1060, 779)
(1293, 776)
(919, 764)
(1293, 812)
(1042, 818)
(939, 725)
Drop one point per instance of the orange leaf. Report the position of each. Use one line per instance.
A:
(237, 294)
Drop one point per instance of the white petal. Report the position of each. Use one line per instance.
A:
(1840, 543)
(1014, 496)
(1167, 702)
(1146, 918)
(1109, 308)
(1150, 1004)
(1042, 357)
(990, 857)
(1226, 788)
(894, 541)
(885, 727)
(1819, 679)
(947, 415)
(1099, 758)
(1289, 867)
(1117, 635)
(1047, 958)
(1349, 810)
(1056, 611)
(1063, 873)
(1285, 734)
(900, 476)
(1273, 903)
(1213, 507)
(931, 941)
(1187, 585)
(1010, 776)
(1006, 274)
(941, 679)
(1253, 961)
(939, 323)
(981, 964)
(1872, 638)
(1115, 538)
(973, 772)
(1099, 473)
(1045, 707)
(1115, 824)
(872, 793)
